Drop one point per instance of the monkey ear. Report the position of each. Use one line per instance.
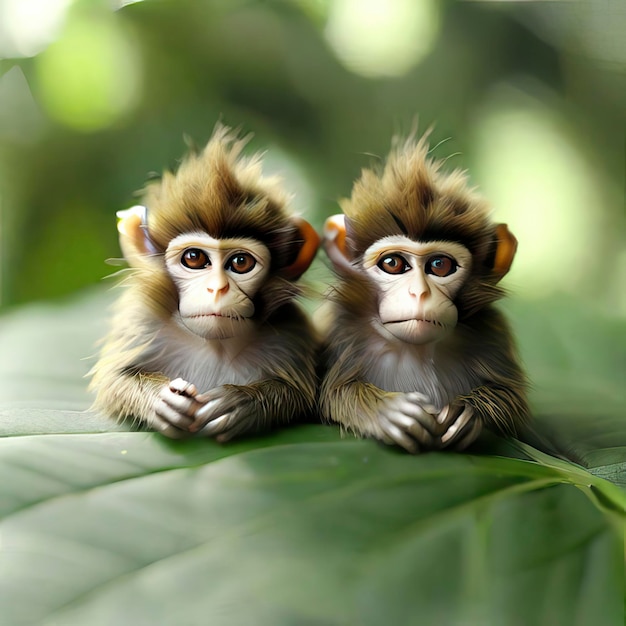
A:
(311, 242)
(506, 246)
(135, 241)
(335, 243)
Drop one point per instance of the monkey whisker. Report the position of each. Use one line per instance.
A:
(439, 144)
(371, 154)
(450, 156)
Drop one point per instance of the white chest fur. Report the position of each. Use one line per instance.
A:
(431, 370)
(206, 364)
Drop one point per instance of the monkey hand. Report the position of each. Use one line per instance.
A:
(461, 426)
(408, 420)
(176, 407)
(226, 412)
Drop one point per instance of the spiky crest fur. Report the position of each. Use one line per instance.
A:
(222, 192)
(411, 195)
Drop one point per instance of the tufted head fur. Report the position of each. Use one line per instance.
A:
(411, 195)
(223, 193)
(220, 192)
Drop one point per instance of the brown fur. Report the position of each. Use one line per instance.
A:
(222, 193)
(477, 364)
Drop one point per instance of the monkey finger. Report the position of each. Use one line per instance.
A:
(470, 435)
(399, 437)
(443, 414)
(167, 429)
(416, 412)
(449, 414)
(217, 426)
(207, 412)
(457, 427)
(419, 399)
(213, 394)
(416, 396)
(411, 426)
(227, 436)
(172, 415)
(423, 401)
(182, 387)
(183, 404)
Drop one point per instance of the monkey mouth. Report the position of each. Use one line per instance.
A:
(221, 315)
(411, 319)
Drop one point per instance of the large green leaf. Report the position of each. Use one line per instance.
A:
(301, 526)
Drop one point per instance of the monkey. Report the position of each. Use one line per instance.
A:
(206, 338)
(415, 353)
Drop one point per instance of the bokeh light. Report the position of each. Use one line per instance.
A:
(382, 37)
(96, 94)
(28, 26)
(20, 118)
(541, 185)
(91, 76)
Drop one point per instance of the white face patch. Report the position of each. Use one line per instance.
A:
(217, 280)
(417, 282)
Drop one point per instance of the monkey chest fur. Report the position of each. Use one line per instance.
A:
(206, 364)
(435, 371)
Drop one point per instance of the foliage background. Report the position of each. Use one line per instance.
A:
(99, 525)
(95, 95)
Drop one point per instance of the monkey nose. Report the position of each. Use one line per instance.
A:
(218, 290)
(418, 287)
(419, 292)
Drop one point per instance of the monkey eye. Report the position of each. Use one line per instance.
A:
(394, 264)
(241, 263)
(195, 259)
(441, 266)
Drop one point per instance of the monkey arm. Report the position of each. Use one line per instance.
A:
(501, 409)
(131, 380)
(126, 392)
(363, 408)
(404, 419)
(499, 403)
(286, 389)
(126, 378)
(146, 397)
(398, 418)
(232, 410)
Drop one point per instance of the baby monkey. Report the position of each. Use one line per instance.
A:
(416, 354)
(206, 338)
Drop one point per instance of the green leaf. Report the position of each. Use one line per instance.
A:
(302, 526)
(124, 527)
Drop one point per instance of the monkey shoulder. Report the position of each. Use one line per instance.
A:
(489, 346)
(489, 321)
(486, 333)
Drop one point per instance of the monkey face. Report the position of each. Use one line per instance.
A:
(417, 283)
(217, 280)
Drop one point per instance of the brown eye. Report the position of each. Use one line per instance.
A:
(394, 264)
(195, 259)
(441, 266)
(241, 263)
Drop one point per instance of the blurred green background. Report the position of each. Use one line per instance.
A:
(530, 97)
